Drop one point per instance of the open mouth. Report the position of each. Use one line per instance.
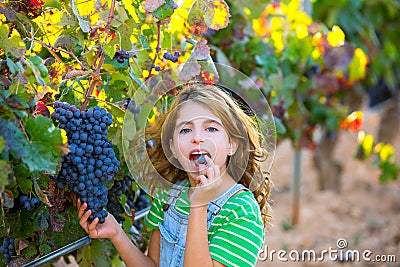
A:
(198, 157)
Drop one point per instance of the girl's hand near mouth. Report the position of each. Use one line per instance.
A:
(206, 183)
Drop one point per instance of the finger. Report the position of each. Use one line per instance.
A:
(93, 224)
(201, 180)
(84, 219)
(210, 173)
(82, 209)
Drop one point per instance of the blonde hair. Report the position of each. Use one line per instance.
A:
(245, 165)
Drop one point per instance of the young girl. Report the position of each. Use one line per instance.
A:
(211, 151)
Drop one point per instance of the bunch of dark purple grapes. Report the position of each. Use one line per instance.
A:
(140, 203)
(29, 203)
(91, 161)
(170, 57)
(7, 249)
(114, 204)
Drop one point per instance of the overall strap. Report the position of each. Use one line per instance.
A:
(215, 206)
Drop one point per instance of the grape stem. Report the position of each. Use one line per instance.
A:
(158, 48)
(100, 55)
(51, 50)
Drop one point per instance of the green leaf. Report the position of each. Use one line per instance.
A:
(45, 142)
(2, 144)
(44, 249)
(95, 254)
(165, 11)
(390, 171)
(290, 82)
(280, 128)
(13, 44)
(125, 31)
(120, 15)
(25, 184)
(15, 140)
(5, 171)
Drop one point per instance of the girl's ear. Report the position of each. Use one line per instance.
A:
(233, 145)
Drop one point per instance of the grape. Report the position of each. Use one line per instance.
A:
(121, 56)
(91, 161)
(173, 58)
(7, 248)
(201, 159)
(29, 203)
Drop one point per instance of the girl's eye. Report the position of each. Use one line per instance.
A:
(184, 131)
(212, 129)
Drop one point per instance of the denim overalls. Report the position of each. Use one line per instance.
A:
(173, 229)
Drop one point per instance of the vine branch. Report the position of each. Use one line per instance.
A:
(100, 54)
(51, 49)
(158, 48)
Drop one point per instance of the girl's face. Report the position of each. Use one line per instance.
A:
(199, 132)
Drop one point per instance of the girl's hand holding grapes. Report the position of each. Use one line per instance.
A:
(108, 229)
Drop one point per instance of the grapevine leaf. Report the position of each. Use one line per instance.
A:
(2, 144)
(196, 16)
(95, 254)
(66, 41)
(5, 171)
(45, 144)
(165, 11)
(121, 16)
(201, 51)
(208, 14)
(220, 15)
(83, 24)
(12, 44)
(42, 196)
(126, 30)
(44, 249)
(14, 139)
(189, 70)
(153, 5)
(67, 20)
(8, 199)
(25, 184)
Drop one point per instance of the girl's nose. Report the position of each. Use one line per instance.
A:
(197, 139)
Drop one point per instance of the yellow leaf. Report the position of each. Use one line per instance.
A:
(358, 65)
(278, 40)
(336, 36)
(221, 15)
(2, 19)
(301, 31)
(385, 151)
(260, 26)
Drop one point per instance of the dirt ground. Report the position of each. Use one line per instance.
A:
(366, 214)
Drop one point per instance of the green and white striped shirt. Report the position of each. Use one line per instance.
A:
(237, 233)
